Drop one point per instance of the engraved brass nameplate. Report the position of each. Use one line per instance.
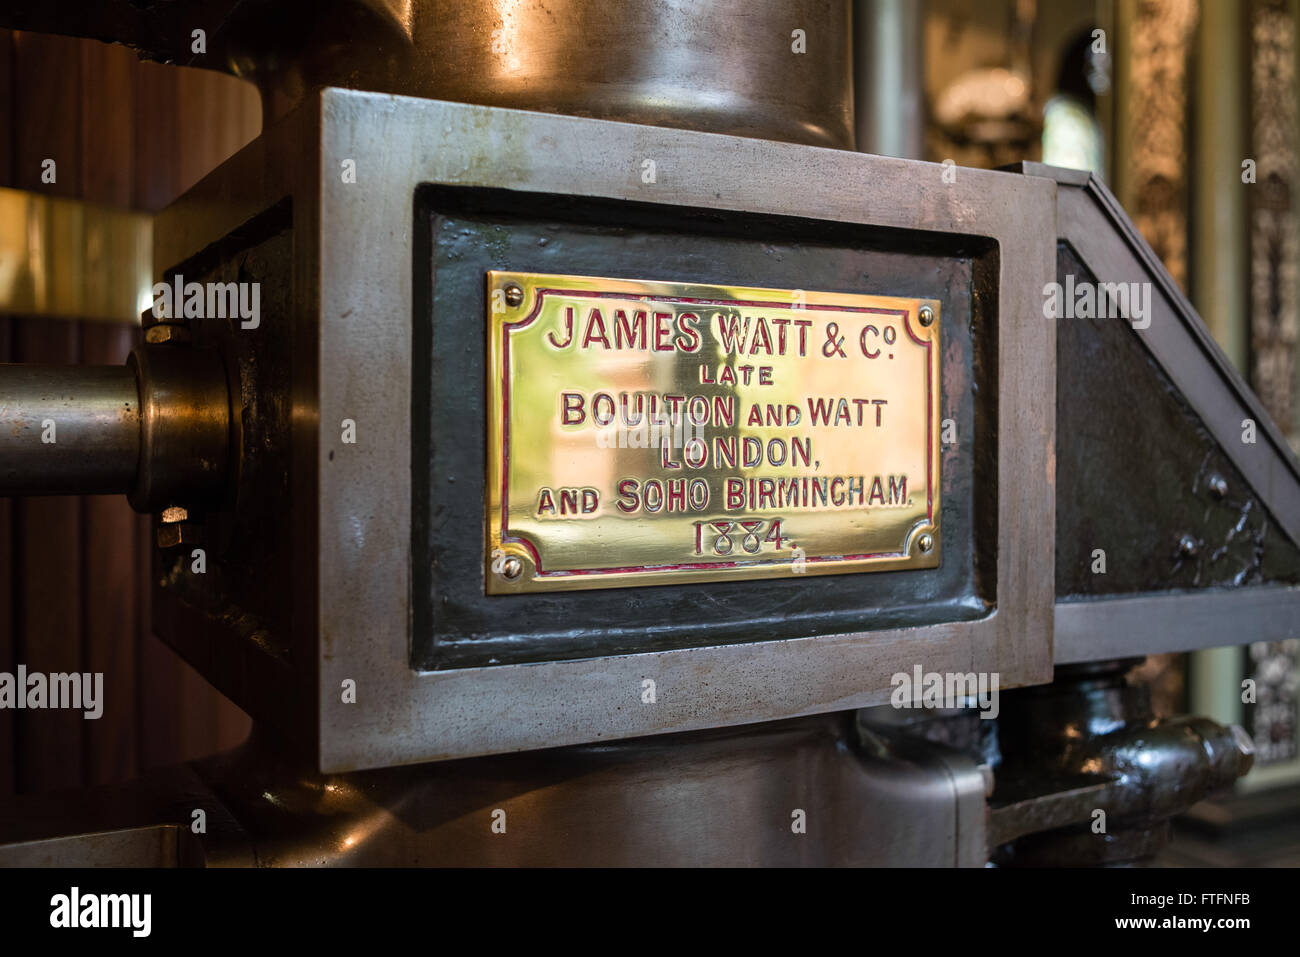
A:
(642, 433)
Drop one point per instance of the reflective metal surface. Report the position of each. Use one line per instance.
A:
(646, 432)
(157, 429)
(810, 792)
(773, 69)
(68, 429)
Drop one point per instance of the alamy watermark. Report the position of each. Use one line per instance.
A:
(36, 690)
(209, 300)
(1098, 300)
(127, 911)
(932, 689)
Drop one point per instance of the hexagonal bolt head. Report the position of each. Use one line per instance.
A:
(175, 534)
(167, 333)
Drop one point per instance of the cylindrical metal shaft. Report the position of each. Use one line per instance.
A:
(68, 429)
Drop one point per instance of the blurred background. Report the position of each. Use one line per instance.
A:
(1187, 109)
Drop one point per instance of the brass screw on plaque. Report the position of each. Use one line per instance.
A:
(514, 294)
(512, 568)
(925, 542)
(927, 317)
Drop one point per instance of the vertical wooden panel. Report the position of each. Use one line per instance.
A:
(6, 105)
(49, 599)
(110, 597)
(8, 726)
(110, 587)
(7, 659)
(157, 145)
(46, 112)
(48, 530)
(107, 108)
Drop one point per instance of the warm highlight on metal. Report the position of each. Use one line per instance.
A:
(65, 258)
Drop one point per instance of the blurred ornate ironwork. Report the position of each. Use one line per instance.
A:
(1273, 241)
(1160, 42)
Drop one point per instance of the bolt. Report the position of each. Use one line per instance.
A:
(512, 568)
(1218, 485)
(1187, 547)
(173, 534)
(166, 332)
(514, 294)
(925, 542)
(926, 315)
(175, 527)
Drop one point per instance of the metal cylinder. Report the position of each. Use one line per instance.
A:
(773, 69)
(184, 427)
(68, 429)
(888, 77)
(156, 429)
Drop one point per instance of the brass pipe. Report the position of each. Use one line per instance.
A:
(68, 429)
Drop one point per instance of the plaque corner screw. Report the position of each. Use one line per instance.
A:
(512, 568)
(926, 315)
(925, 543)
(514, 294)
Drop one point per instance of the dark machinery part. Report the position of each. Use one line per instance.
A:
(1088, 743)
(809, 791)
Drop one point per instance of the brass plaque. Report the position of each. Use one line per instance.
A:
(642, 433)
